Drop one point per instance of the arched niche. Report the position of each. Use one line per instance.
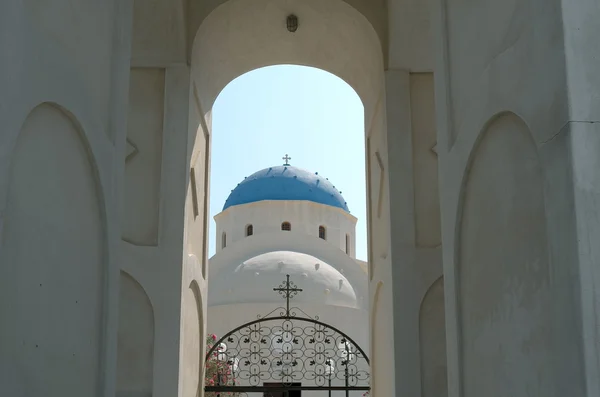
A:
(53, 269)
(432, 341)
(503, 272)
(193, 341)
(377, 338)
(135, 346)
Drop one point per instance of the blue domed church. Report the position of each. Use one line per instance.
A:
(279, 221)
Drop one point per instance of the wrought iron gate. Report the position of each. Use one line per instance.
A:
(275, 354)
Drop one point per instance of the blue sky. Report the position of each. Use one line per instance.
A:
(310, 114)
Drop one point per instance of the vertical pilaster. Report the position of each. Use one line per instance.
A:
(585, 148)
(582, 52)
(406, 346)
(117, 133)
(416, 253)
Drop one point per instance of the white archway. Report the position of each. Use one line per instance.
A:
(241, 36)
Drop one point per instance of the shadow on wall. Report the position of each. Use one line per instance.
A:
(193, 340)
(135, 362)
(432, 340)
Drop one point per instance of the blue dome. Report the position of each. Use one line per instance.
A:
(286, 183)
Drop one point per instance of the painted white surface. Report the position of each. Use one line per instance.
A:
(304, 217)
(253, 280)
(136, 340)
(305, 250)
(432, 338)
(63, 204)
(51, 293)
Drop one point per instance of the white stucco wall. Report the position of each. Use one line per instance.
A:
(64, 201)
(253, 280)
(49, 311)
(224, 264)
(304, 217)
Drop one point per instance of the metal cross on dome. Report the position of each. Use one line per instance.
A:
(287, 159)
(288, 290)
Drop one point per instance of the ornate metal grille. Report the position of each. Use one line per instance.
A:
(289, 348)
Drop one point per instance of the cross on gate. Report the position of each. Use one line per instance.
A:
(286, 158)
(288, 290)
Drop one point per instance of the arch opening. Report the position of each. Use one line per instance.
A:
(346, 46)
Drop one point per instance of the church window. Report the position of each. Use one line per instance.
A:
(347, 244)
(249, 230)
(322, 232)
(224, 240)
(286, 226)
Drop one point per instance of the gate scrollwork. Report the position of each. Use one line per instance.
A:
(290, 349)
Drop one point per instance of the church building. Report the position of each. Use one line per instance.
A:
(286, 221)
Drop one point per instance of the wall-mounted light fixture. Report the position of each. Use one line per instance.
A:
(292, 23)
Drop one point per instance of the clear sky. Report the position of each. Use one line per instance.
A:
(310, 114)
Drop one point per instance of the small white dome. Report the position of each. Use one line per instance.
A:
(253, 281)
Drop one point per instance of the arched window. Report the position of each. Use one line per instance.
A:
(286, 226)
(224, 240)
(249, 230)
(347, 244)
(322, 232)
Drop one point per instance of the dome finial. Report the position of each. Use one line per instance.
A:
(286, 158)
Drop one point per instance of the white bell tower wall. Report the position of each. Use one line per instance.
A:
(304, 217)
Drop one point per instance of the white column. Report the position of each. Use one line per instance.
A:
(415, 266)
(582, 51)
